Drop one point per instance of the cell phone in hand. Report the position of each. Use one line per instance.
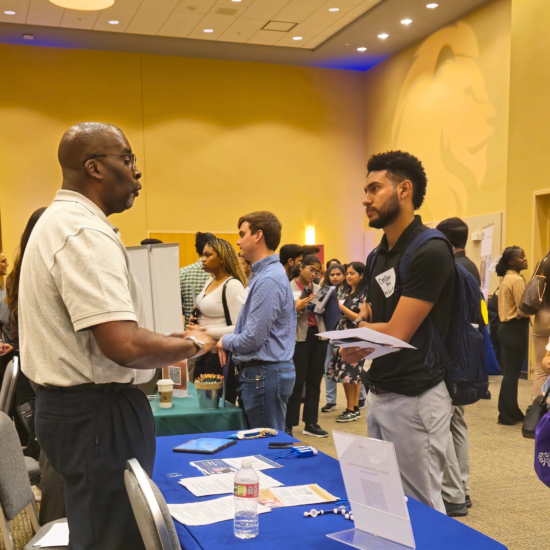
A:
(306, 293)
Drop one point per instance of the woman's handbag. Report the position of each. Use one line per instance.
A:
(531, 301)
(533, 415)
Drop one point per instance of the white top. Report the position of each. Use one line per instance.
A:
(75, 275)
(210, 305)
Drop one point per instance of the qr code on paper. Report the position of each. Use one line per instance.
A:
(374, 495)
(175, 375)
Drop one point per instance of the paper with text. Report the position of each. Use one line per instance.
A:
(221, 484)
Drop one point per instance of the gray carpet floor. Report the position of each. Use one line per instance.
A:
(506, 492)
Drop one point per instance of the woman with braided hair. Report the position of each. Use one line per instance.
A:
(218, 304)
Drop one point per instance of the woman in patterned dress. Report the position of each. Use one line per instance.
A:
(339, 370)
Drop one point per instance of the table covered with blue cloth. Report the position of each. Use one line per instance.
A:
(287, 528)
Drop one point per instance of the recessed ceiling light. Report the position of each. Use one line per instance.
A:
(28, 37)
(334, 9)
(236, 0)
(362, 49)
(383, 36)
(432, 6)
(406, 21)
(297, 38)
(208, 30)
(83, 5)
(9, 12)
(114, 22)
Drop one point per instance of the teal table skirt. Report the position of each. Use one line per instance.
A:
(185, 417)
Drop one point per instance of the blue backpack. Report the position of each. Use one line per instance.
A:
(464, 346)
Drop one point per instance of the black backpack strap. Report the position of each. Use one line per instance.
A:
(224, 302)
(369, 266)
(405, 261)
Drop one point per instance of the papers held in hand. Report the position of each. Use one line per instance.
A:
(365, 338)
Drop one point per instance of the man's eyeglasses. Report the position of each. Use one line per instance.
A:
(131, 157)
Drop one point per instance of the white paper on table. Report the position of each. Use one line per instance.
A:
(221, 484)
(374, 488)
(207, 512)
(302, 494)
(58, 535)
(258, 462)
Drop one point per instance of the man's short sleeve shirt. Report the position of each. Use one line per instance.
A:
(75, 275)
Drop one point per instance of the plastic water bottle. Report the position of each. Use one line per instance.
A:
(246, 491)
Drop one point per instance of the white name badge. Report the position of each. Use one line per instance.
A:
(243, 295)
(386, 281)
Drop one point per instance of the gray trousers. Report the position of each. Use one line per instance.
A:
(418, 427)
(457, 468)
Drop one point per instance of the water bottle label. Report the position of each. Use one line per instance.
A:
(245, 490)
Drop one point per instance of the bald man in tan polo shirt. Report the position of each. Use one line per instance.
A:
(82, 341)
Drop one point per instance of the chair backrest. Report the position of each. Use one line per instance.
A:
(7, 392)
(15, 488)
(150, 509)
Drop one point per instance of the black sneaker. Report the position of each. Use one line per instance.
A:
(363, 404)
(315, 430)
(329, 407)
(455, 510)
(346, 416)
(487, 395)
(357, 413)
(468, 501)
(288, 431)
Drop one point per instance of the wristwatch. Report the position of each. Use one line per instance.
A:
(359, 320)
(197, 343)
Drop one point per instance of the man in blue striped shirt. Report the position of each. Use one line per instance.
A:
(262, 345)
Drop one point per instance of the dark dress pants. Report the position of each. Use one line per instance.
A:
(52, 505)
(514, 342)
(88, 435)
(309, 362)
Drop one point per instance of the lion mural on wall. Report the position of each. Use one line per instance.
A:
(443, 116)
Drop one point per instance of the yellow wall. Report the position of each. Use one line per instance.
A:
(529, 140)
(445, 100)
(215, 139)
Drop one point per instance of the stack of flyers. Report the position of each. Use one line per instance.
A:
(232, 465)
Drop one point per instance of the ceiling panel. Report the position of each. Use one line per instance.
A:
(264, 9)
(267, 38)
(43, 12)
(151, 16)
(122, 11)
(346, 19)
(195, 6)
(218, 23)
(20, 7)
(242, 30)
(78, 19)
(298, 10)
(180, 24)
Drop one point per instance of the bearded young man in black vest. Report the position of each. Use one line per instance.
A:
(408, 402)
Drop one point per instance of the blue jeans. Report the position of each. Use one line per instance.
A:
(264, 392)
(331, 384)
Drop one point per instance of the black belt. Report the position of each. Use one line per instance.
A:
(90, 386)
(376, 390)
(254, 363)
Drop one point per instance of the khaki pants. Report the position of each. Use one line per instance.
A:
(457, 468)
(419, 429)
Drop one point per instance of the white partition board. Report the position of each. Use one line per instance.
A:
(156, 267)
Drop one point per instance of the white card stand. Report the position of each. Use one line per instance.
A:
(375, 492)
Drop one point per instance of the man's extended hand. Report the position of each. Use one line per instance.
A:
(354, 355)
(203, 336)
(5, 349)
(222, 354)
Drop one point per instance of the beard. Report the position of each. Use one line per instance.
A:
(387, 214)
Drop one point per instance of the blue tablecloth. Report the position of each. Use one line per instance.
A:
(287, 528)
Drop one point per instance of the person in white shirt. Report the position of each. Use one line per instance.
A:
(219, 304)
